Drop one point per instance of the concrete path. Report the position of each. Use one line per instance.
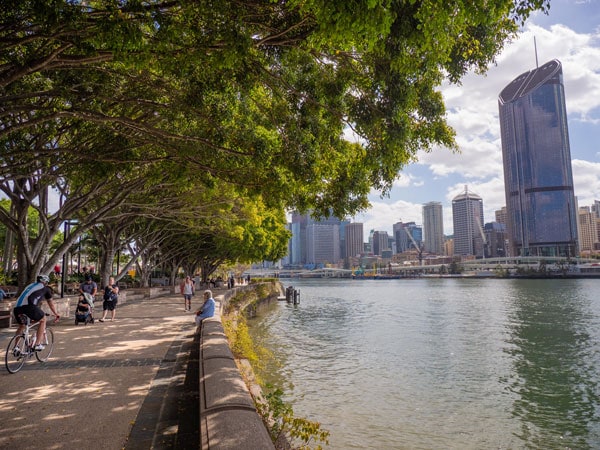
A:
(112, 385)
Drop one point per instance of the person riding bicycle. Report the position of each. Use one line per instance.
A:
(28, 304)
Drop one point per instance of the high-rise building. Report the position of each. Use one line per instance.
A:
(495, 240)
(588, 232)
(354, 239)
(433, 228)
(501, 215)
(404, 234)
(380, 242)
(467, 217)
(323, 243)
(538, 179)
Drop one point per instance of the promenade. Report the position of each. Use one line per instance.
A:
(112, 385)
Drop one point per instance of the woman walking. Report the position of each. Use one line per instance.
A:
(111, 297)
(187, 289)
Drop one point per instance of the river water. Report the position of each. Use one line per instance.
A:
(440, 363)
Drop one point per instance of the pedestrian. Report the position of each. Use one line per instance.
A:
(208, 307)
(88, 286)
(3, 294)
(187, 290)
(28, 303)
(111, 297)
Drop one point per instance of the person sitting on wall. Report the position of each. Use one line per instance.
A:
(207, 309)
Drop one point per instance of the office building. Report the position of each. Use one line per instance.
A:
(538, 180)
(354, 240)
(495, 240)
(323, 243)
(467, 217)
(588, 231)
(407, 235)
(501, 215)
(433, 228)
(380, 242)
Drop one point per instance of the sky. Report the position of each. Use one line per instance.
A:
(569, 33)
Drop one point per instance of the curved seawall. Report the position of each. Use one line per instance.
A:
(228, 417)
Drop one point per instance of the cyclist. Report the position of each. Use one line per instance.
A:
(28, 304)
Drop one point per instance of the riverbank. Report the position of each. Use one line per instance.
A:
(228, 415)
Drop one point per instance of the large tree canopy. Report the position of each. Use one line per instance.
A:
(251, 96)
(257, 92)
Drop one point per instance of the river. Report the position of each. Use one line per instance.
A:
(440, 363)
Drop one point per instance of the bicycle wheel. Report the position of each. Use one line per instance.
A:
(43, 355)
(14, 360)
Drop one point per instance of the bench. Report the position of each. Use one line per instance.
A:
(11, 291)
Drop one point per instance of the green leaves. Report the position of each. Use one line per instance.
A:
(251, 97)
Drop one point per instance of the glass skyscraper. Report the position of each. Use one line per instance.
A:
(538, 180)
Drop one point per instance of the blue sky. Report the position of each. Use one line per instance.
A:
(569, 33)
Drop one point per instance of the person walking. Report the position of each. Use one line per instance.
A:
(111, 297)
(187, 289)
(28, 303)
(208, 307)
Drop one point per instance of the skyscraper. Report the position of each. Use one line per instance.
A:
(354, 239)
(380, 242)
(322, 243)
(433, 228)
(467, 217)
(538, 180)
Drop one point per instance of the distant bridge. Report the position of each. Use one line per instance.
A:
(556, 264)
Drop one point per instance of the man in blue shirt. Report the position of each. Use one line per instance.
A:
(207, 309)
(28, 303)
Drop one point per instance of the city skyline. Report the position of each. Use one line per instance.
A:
(571, 34)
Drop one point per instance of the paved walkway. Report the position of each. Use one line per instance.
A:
(112, 385)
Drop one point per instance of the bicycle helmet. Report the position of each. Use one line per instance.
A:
(43, 279)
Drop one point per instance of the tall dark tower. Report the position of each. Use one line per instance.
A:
(538, 179)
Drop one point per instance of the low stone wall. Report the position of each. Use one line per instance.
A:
(228, 417)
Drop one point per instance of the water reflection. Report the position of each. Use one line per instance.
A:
(453, 364)
(555, 364)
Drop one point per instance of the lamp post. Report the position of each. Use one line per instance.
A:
(66, 234)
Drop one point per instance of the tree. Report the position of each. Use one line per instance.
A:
(255, 95)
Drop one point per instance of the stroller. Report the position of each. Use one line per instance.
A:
(84, 310)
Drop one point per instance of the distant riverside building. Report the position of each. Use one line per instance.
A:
(354, 239)
(314, 249)
(449, 246)
(433, 228)
(495, 239)
(588, 230)
(467, 217)
(322, 243)
(501, 215)
(403, 233)
(538, 179)
(400, 237)
(380, 242)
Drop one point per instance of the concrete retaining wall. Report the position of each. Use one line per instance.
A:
(228, 418)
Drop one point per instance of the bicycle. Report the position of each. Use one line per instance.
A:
(20, 347)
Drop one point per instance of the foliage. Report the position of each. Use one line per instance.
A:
(279, 418)
(195, 113)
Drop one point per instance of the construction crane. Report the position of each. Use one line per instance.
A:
(482, 234)
(418, 248)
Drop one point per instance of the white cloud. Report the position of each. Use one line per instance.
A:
(586, 178)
